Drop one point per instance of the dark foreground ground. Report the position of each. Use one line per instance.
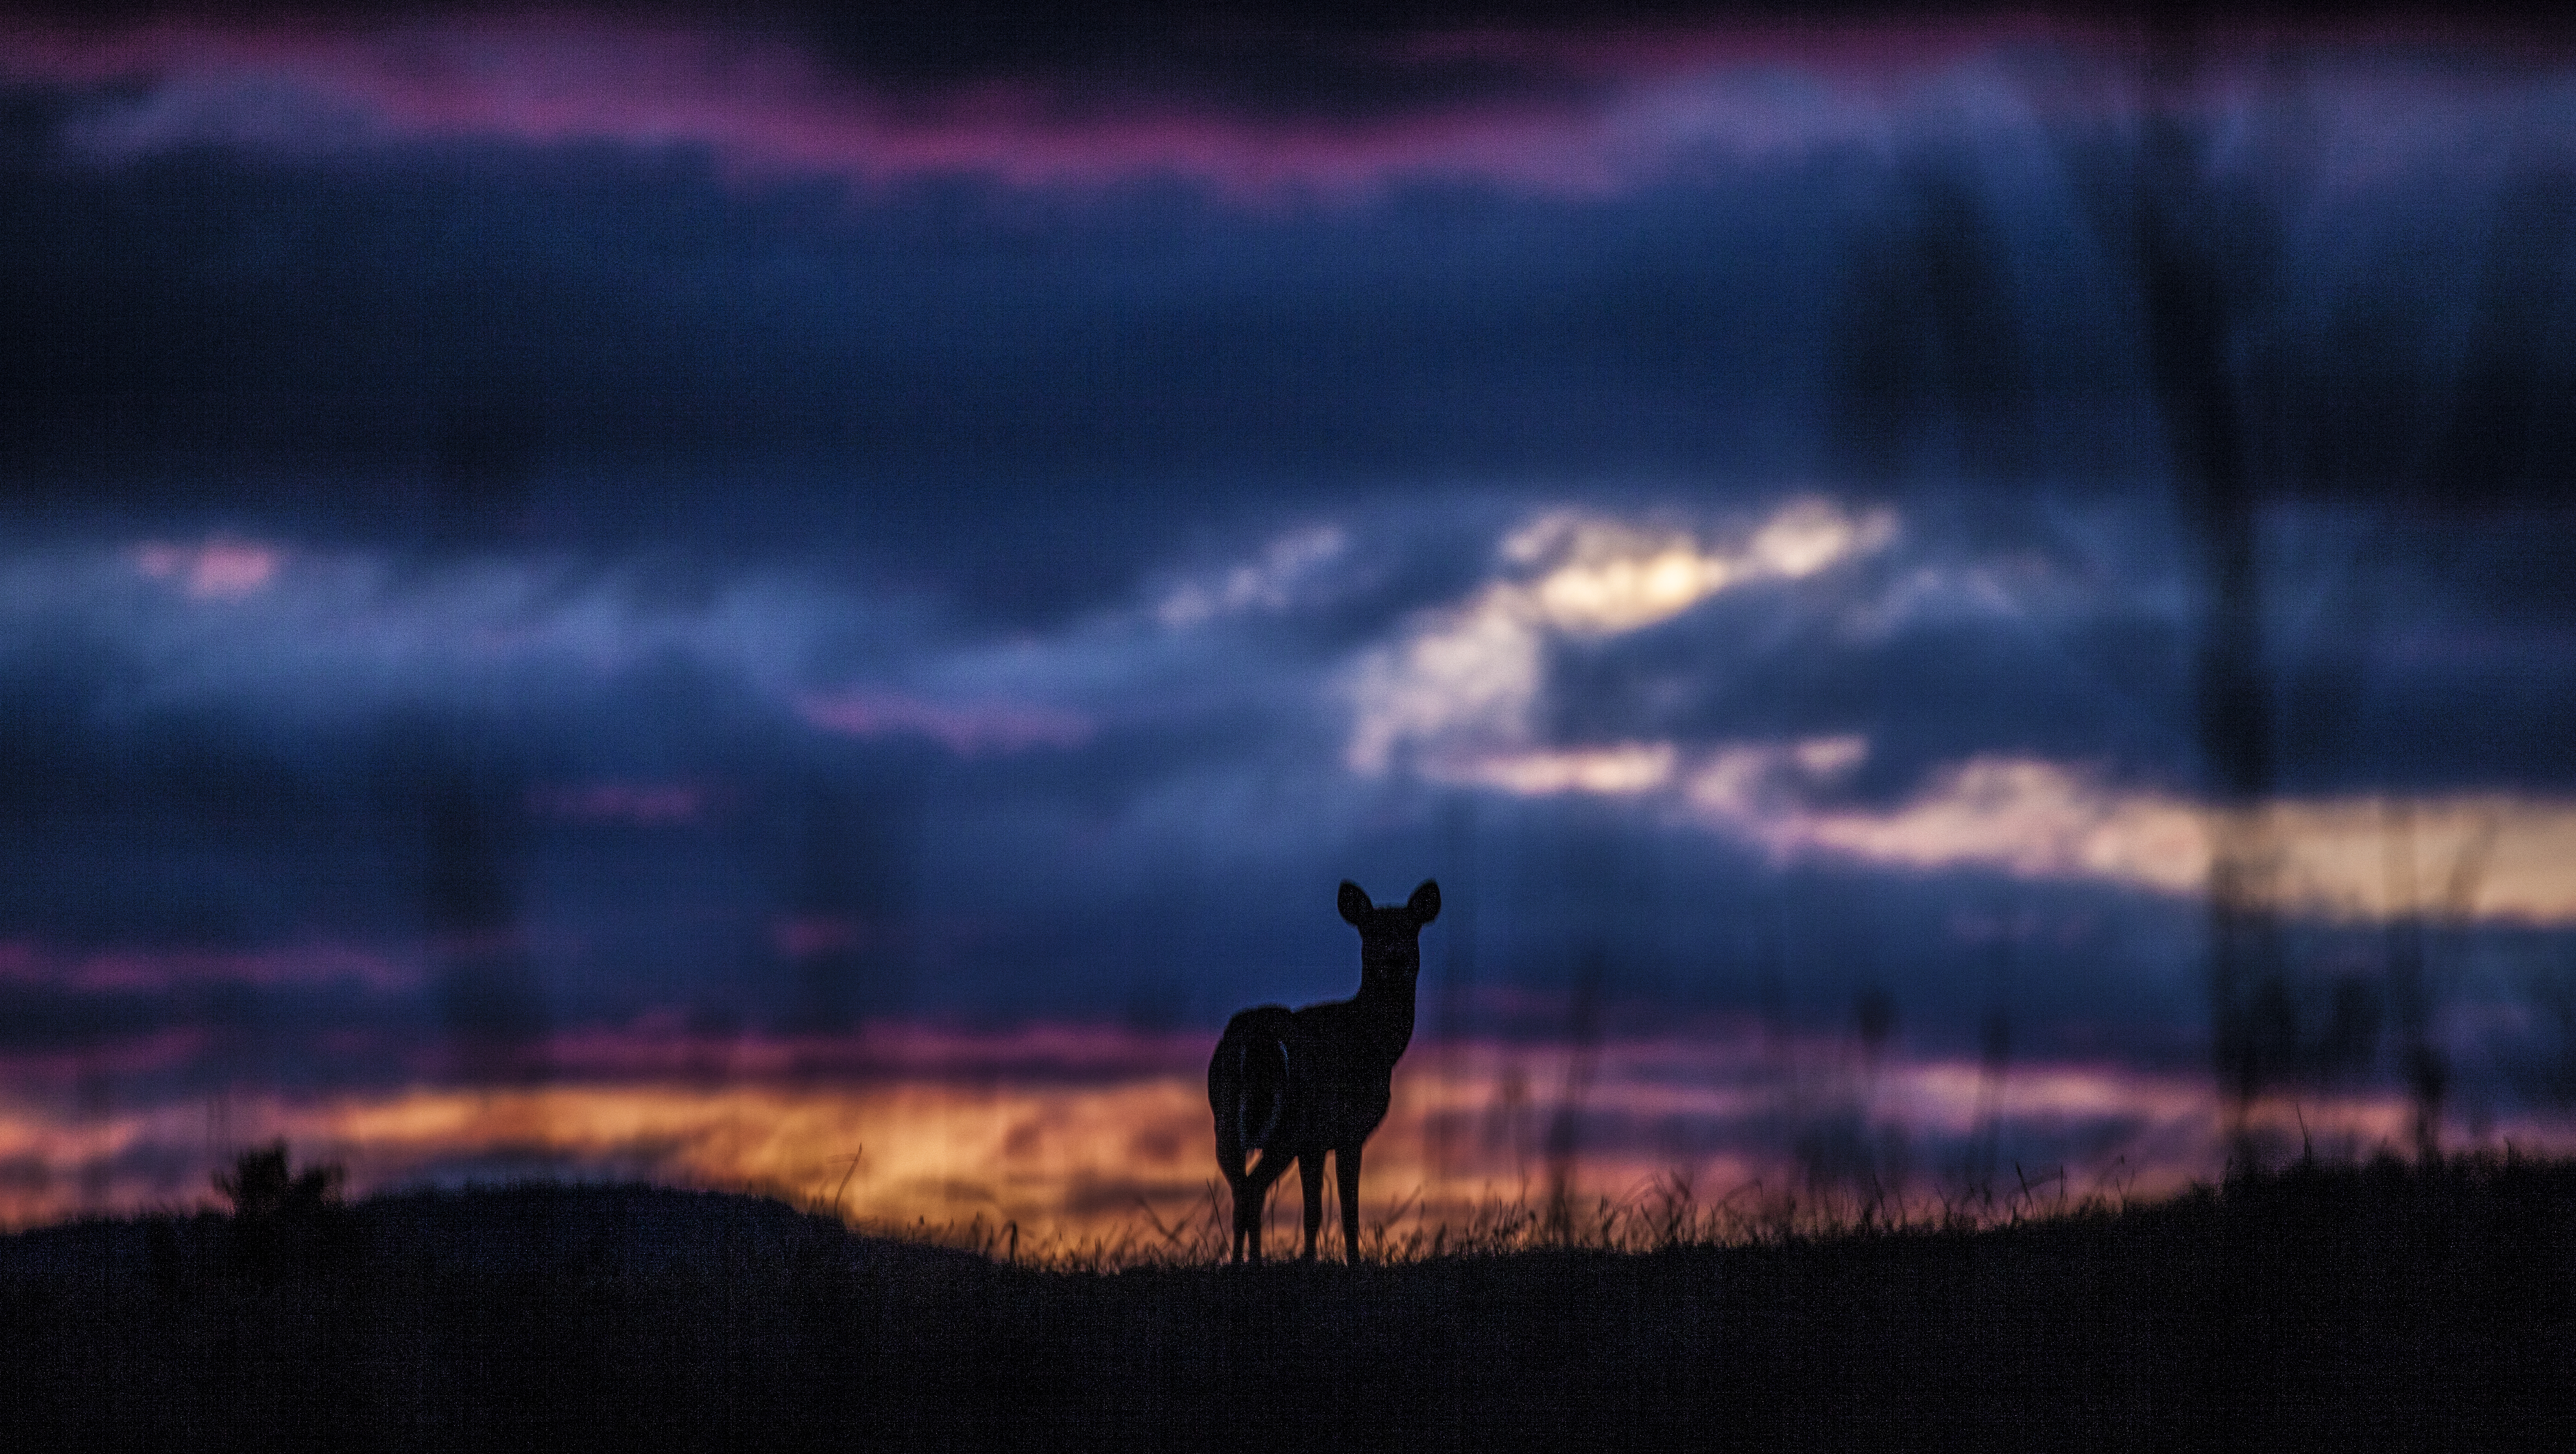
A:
(2357, 1308)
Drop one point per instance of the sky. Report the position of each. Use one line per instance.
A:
(766, 598)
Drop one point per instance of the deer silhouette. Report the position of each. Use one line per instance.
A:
(1295, 1084)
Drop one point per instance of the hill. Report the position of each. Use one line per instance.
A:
(2385, 1306)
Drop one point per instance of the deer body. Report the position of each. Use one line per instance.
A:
(1296, 1085)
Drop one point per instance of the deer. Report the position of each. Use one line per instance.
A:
(1295, 1085)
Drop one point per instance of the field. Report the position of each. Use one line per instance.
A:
(2362, 1307)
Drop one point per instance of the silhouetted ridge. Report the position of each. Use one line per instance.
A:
(2393, 1305)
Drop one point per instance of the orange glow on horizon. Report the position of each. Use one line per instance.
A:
(1086, 1136)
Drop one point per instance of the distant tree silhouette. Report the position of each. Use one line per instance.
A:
(1296, 1084)
(276, 1213)
(260, 1187)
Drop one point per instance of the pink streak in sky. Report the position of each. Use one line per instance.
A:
(968, 730)
(1610, 107)
(160, 971)
(219, 569)
(635, 805)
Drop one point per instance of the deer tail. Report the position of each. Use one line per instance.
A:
(1248, 1091)
(1261, 1090)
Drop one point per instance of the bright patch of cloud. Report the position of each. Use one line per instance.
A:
(1830, 757)
(1473, 674)
(1270, 583)
(1458, 689)
(1600, 577)
(1614, 771)
(2489, 857)
(2026, 818)
(218, 569)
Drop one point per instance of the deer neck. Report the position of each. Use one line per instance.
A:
(1388, 1012)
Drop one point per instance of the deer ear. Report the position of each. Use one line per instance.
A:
(1425, 902)
(1354, 901)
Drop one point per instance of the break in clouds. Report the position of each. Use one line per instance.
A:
(1796, 690)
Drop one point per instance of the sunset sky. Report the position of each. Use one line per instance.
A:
(734, 599)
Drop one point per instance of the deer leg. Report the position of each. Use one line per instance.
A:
(1248, 1205)
(1310, 1173)
(1346, 1167)
(1249, 1196)
(1229, 1162)
(1247, 1216)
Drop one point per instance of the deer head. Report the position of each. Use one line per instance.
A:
(1390, 937)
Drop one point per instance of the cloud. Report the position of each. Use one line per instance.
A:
(1460, 687)
(2030, 819)
(1456, 698)
(2492, 858)
(350, 633)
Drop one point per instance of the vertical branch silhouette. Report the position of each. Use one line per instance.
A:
(2200, 256)
(1457, 982)
(2427, 1076)
(1583, 1059)
(1994, 1059)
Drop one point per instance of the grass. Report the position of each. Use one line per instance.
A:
(2383, 1305)
(1664, 1213)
